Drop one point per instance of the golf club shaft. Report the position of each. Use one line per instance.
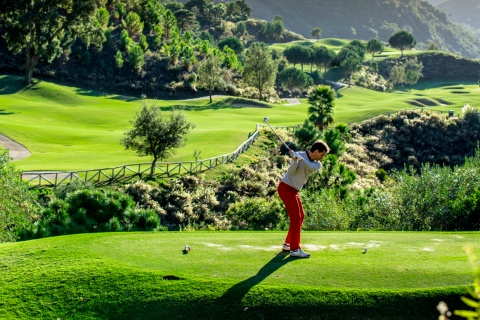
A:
(268, 124)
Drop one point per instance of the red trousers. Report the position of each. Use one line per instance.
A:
(294, 207)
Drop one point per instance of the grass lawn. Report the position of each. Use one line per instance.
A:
(235, 275)
(336, 45)
(68, 128)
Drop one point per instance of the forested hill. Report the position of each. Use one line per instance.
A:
(464, 12)
(366, 19)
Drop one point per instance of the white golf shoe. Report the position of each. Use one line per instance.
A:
(299, 254)
(286, 247)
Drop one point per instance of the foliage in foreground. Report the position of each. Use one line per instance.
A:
(442, 307)
(17, 204)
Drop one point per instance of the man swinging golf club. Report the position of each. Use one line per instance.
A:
(302, 165)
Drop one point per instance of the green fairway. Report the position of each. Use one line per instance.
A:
(111, 275)
(336, 45)
(68, 128)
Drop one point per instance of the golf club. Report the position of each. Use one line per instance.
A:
(295, 156)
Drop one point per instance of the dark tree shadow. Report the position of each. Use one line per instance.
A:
(5, 113)
(12, 84)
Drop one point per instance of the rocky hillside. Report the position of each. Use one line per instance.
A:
(366, 19)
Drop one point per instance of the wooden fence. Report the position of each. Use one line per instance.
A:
(125, 173)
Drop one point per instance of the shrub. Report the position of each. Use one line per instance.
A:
(257, 214)
(17, 205)
(323, 211)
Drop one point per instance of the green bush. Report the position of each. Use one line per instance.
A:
(17, 204)
(433, 198)
(257, 214)
(324, 211)
(91, 210)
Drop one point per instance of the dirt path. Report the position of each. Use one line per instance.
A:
(17, 151)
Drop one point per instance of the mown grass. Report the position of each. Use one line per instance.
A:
(235, 275)
(68, 128)
(336, 45)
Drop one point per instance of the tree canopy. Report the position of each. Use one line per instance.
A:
(153, 135)
(402, 40)
(44, 29)
(260, 70)
(210, 73)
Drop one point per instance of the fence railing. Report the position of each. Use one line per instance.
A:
(125, 173)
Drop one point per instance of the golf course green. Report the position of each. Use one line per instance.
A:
(235, 274)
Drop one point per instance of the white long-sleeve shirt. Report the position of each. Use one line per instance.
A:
(299, 171)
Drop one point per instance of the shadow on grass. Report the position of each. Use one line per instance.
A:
(97, 94)
(5, 113)
(232, 299)
(224, 104)
(11, 84)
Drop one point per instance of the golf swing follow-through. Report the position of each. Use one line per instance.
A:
(302, 165)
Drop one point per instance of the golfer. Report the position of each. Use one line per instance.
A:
(302, 165)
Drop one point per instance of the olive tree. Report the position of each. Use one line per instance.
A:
(154, 135)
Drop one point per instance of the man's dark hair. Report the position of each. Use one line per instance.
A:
(320, 145)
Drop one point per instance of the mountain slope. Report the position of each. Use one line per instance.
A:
(463, 11)
(366, 19)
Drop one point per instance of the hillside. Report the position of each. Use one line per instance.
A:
(463, 11)
(366, 19)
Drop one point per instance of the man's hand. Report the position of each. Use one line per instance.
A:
(295, 156)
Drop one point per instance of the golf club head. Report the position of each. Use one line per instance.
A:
(265, 119)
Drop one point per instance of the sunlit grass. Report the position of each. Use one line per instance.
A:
(232, 275)
(68, 128)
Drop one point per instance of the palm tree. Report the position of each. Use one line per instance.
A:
(322, 106)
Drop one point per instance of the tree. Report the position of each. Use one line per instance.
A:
(210, 73)
(402, 40)
(136, 59)
(297, 54)
(273, 30)
(169, 24)
(413, 72)
(397, 75)
(244, 9)
(45, 29)
(153, 135)
(322, 56)
(292, 78)
(411, 77)
(219, 11)
(233, 43)
(133, 24)
(322, 106)
(186, 20)
(348, 51)
(203, 10)
(17, 204)
(307, 134)
(316, 32)
(374, 46)
(351, 64)
(259, 69)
